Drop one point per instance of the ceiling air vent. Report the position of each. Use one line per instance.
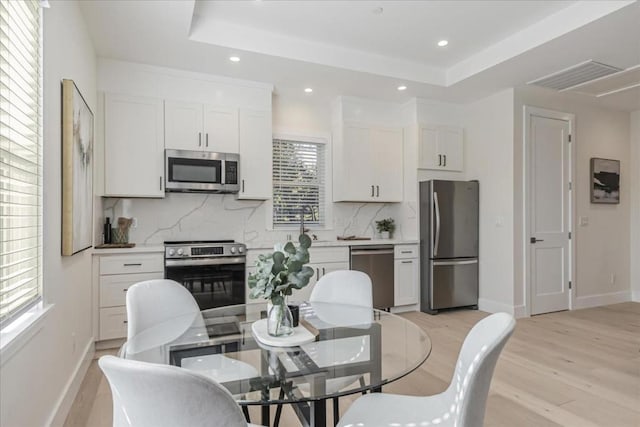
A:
(575, 75)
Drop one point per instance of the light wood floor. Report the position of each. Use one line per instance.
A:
(578, 368)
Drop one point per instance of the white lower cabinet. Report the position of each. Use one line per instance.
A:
(116, 273)
(406, 275)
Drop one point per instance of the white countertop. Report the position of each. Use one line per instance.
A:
(332, 243)
(138, 248)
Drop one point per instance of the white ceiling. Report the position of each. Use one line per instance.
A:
(340, 47)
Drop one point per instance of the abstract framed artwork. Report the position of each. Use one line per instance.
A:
(77, 170)
(605, 181)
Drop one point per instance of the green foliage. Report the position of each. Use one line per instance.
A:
(278, 273)
(386, 225)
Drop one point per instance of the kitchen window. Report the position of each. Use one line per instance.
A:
(298, 183)
(20, 157)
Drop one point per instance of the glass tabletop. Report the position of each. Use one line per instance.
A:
(355, 349)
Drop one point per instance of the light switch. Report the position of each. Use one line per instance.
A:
(584, 221)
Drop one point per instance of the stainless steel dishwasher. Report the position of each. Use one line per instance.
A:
(377, 262)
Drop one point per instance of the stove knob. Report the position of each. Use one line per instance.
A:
(172, 252)
(240, 249)
(233, 249)
(180, 252)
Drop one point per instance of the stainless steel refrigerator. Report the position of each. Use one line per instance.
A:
(448, 244)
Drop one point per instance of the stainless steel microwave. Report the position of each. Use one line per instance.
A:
(201, 171)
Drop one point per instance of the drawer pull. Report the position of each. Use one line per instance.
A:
(125, 290)
(406, 252)
(125, 322)
(133, 264)
(407, 262)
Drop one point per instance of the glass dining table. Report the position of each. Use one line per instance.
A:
(352, 350)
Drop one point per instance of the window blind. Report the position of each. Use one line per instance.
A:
(20, 157)
(298, 183)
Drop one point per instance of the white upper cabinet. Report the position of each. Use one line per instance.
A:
(134, 146)
(441, 148)
(256, 148)
(367, 163)
(195, 126)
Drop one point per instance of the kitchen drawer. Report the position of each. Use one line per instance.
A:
(134, 263)
(329, 254)
(113, 323)
(113, 288)
(405, 251)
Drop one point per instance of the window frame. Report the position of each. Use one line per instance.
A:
(315, 138)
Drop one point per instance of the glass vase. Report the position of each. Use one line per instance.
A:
(279, 320)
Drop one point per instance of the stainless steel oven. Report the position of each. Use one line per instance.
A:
(201, 171)
(213, 271)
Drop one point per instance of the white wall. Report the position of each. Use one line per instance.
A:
(635, 205)
(35, 379)
(603, 246)
(489, 159)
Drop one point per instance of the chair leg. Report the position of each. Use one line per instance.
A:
(276, 420)
(336, 411)
(245, 411)
(362, 384)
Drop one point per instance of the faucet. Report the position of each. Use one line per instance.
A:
(302, 229)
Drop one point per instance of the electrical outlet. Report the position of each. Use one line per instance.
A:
(584, 221)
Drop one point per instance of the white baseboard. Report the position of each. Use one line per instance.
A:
(520, 311)
(405, 308)
(72, 387)
(602, 299)
(491, 306)
(635, 296)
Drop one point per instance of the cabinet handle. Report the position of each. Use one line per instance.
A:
(377, 191)
(199, 139)
(445, 160)
(206, 138)
(160, 182)
(439, 159)
(323, 271)
(317, 274)
(133, 264)
(372, 191)
(407, 262)
(243, 185)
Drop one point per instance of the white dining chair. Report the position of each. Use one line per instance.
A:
(349, 287)
(462, 404)
(162, 311)
(151, 395)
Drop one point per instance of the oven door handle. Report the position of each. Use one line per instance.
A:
(203, 261)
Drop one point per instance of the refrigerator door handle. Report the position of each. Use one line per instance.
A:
(437, 215)
(463, 262)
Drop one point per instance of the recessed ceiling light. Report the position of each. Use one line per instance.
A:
(443, 43)
(402, 87)
(234, 58)
(308, 90)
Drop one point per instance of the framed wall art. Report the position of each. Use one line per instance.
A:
(605, 181)
(77, 170)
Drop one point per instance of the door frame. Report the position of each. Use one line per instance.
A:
(528, 112)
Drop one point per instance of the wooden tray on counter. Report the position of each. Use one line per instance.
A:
(115, 245)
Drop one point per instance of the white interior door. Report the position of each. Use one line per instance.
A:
(549, 206)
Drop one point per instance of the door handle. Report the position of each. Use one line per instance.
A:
(199, 139)
(534, 240)
(377, 191)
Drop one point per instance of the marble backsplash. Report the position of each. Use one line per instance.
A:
(189, 216)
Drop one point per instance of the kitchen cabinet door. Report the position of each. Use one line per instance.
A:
(220, 129)
(354, 174)
(406, 286)
(441, 148)
(183, 125)
(134, 146)
(387, 152)
(256, 148)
